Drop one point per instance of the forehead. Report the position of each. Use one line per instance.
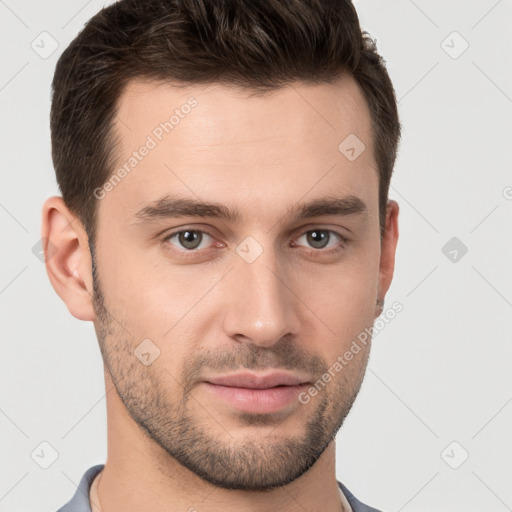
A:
(228, 113)
(221, 142)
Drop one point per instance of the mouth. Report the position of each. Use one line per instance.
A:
(260, 394)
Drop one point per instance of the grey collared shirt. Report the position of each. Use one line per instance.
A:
(80, 500)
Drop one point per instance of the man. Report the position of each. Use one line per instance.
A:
(225, 223)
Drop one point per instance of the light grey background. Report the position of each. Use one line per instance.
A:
(439, 372)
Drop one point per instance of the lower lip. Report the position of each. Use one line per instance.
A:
(257, 400)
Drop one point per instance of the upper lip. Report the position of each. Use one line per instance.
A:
(250, 380)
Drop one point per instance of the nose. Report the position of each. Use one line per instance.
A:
(261, 308)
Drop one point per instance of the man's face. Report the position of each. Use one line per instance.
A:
(267, 291)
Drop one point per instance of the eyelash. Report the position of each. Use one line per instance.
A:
(339, 247)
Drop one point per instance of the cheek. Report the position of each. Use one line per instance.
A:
(342, 294)
(155, 314)
(342, 299)
(160, 301)
(140, 281)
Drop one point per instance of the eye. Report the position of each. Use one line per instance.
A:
(192, 241)
(319, 239)
(189, 239)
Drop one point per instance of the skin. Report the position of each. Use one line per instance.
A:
(172, 444)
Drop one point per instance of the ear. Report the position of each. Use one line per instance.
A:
(67, 257)
(388, 249)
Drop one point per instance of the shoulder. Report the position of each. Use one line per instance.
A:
(356, 505)
(80, 500)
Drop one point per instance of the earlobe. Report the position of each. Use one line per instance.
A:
(388, 251)
(67, 257)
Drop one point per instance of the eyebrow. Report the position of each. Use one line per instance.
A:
(172, 206)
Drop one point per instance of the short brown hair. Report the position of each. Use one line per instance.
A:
(256, 44)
